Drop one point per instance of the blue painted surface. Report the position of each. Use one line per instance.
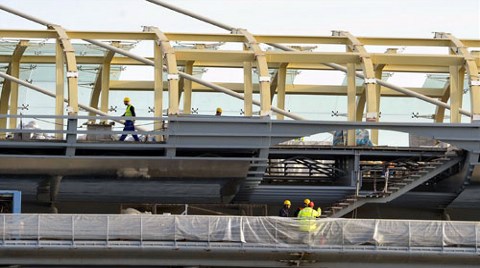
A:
(16, 198)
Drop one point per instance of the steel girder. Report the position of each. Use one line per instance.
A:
(276, 59)
(262, 68)
(168, 54)
(416, 63)
(71, 63)
(9, 93)
(371, 92)
(102, 83)
(326, 90)
(59, 87)
(470, 65)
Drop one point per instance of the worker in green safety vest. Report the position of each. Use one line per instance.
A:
(129, 125)
(307, 217)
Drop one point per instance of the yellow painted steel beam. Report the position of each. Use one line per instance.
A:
(262, 69)
(210, 37)
(99, 84)
(470, 42)
(312, 57)
(378, 75)
(72, 71)
(146, 61)
(333, 90)
(382, 41)
(296, 60)
(27, 34)
(99, 35)
(301, 39)
(157, 88)
(59, 88)
(109, 35)
(389, 51)
(372, 95)
(456, 93)
(341, 40)
(214, 55)
(206, 37)
(439, 115)
(15, 71)
(351, 102)
(416, 59)
(185, 37)
(96, 90)
(248, 86)
(415, 69)
(225, 64)
(471, 67)
(10, 90)
(234, 59)
(105, 79)
(320, 90)
(187, 89)
(406, 63)
(274, 84)
(282, 87)
(181, 83)
(172, 72)
(361, 101)
(50, 33)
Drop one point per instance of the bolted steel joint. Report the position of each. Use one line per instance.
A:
(370, 81)
(172, 77)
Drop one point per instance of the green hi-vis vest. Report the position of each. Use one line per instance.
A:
(128, 112)
(307, 219)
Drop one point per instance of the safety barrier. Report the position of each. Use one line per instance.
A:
(44, 230)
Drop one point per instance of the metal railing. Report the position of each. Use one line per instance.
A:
(79, 125)
(198, 136)
(133, 231)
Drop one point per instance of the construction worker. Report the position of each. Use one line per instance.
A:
(305, 204)
(285, 211)
(308, 217)
(219, 111)
(129, 125)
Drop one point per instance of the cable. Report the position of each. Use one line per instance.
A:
(46, 121)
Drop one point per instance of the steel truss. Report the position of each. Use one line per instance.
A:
(357, 61)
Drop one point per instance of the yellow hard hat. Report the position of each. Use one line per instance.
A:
(219, 110)
(306, 201)
(287, 202)
(126, 99)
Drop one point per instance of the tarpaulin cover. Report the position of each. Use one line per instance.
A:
(264, 231)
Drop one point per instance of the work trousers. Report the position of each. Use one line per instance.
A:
(129, 126)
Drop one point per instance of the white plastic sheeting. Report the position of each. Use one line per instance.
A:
(261, 231)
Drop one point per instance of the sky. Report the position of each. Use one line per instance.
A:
(372, 18)
(391, 18)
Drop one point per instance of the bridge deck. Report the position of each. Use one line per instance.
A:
(201, 236)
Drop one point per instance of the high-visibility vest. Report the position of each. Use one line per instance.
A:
(308, 212)
(307, 217)
(128, 112)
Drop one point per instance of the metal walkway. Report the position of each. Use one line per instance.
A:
(62, 239)
(228, 154)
